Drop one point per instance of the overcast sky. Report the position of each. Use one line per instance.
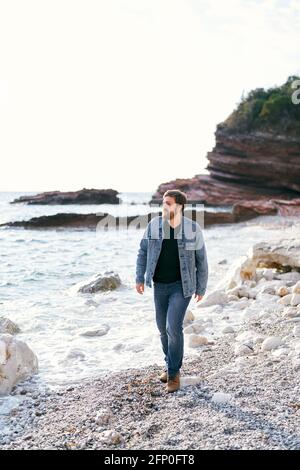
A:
(126, 94)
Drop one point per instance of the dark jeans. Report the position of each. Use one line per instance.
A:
(170, 306)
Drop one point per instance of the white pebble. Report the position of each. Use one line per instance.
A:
(285, 300)
(242, 350)
(111, 437)
(220, 397)
(103, 416)
(195, 341)
(282, 291)
(227, 329)
(270, 343)
(296, 330)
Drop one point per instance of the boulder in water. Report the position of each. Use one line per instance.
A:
(109, 280)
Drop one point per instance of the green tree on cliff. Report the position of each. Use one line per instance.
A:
(267, 110)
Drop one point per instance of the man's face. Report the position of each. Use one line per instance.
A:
(170, 207)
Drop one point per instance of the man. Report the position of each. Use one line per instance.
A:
(172, 253)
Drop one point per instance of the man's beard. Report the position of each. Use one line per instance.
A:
(170, 215)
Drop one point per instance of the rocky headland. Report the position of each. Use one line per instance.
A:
(256, 156)
(83, 196)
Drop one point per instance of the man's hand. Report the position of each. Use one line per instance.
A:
(140, 288)
(198, 297)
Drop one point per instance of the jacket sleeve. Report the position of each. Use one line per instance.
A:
(141, 261)
(201, 265)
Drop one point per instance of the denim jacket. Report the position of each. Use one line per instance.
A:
(191, 251)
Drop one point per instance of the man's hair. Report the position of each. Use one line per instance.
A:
(180, 196)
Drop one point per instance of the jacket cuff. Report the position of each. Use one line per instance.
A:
(200, 293)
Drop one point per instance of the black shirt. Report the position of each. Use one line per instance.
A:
(168, 265)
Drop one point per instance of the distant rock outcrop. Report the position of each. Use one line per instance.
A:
(256, 155)
(83, 196)
(74, 220)
(240, 212)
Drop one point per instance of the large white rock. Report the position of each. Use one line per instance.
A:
(244, 270)
(270, 343)
(17, 362)
(285, 252)
(216, 297)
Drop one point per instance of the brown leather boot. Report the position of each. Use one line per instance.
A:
(173, 383)
(164, 377)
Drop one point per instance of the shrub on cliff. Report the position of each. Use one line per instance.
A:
(270, 110)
